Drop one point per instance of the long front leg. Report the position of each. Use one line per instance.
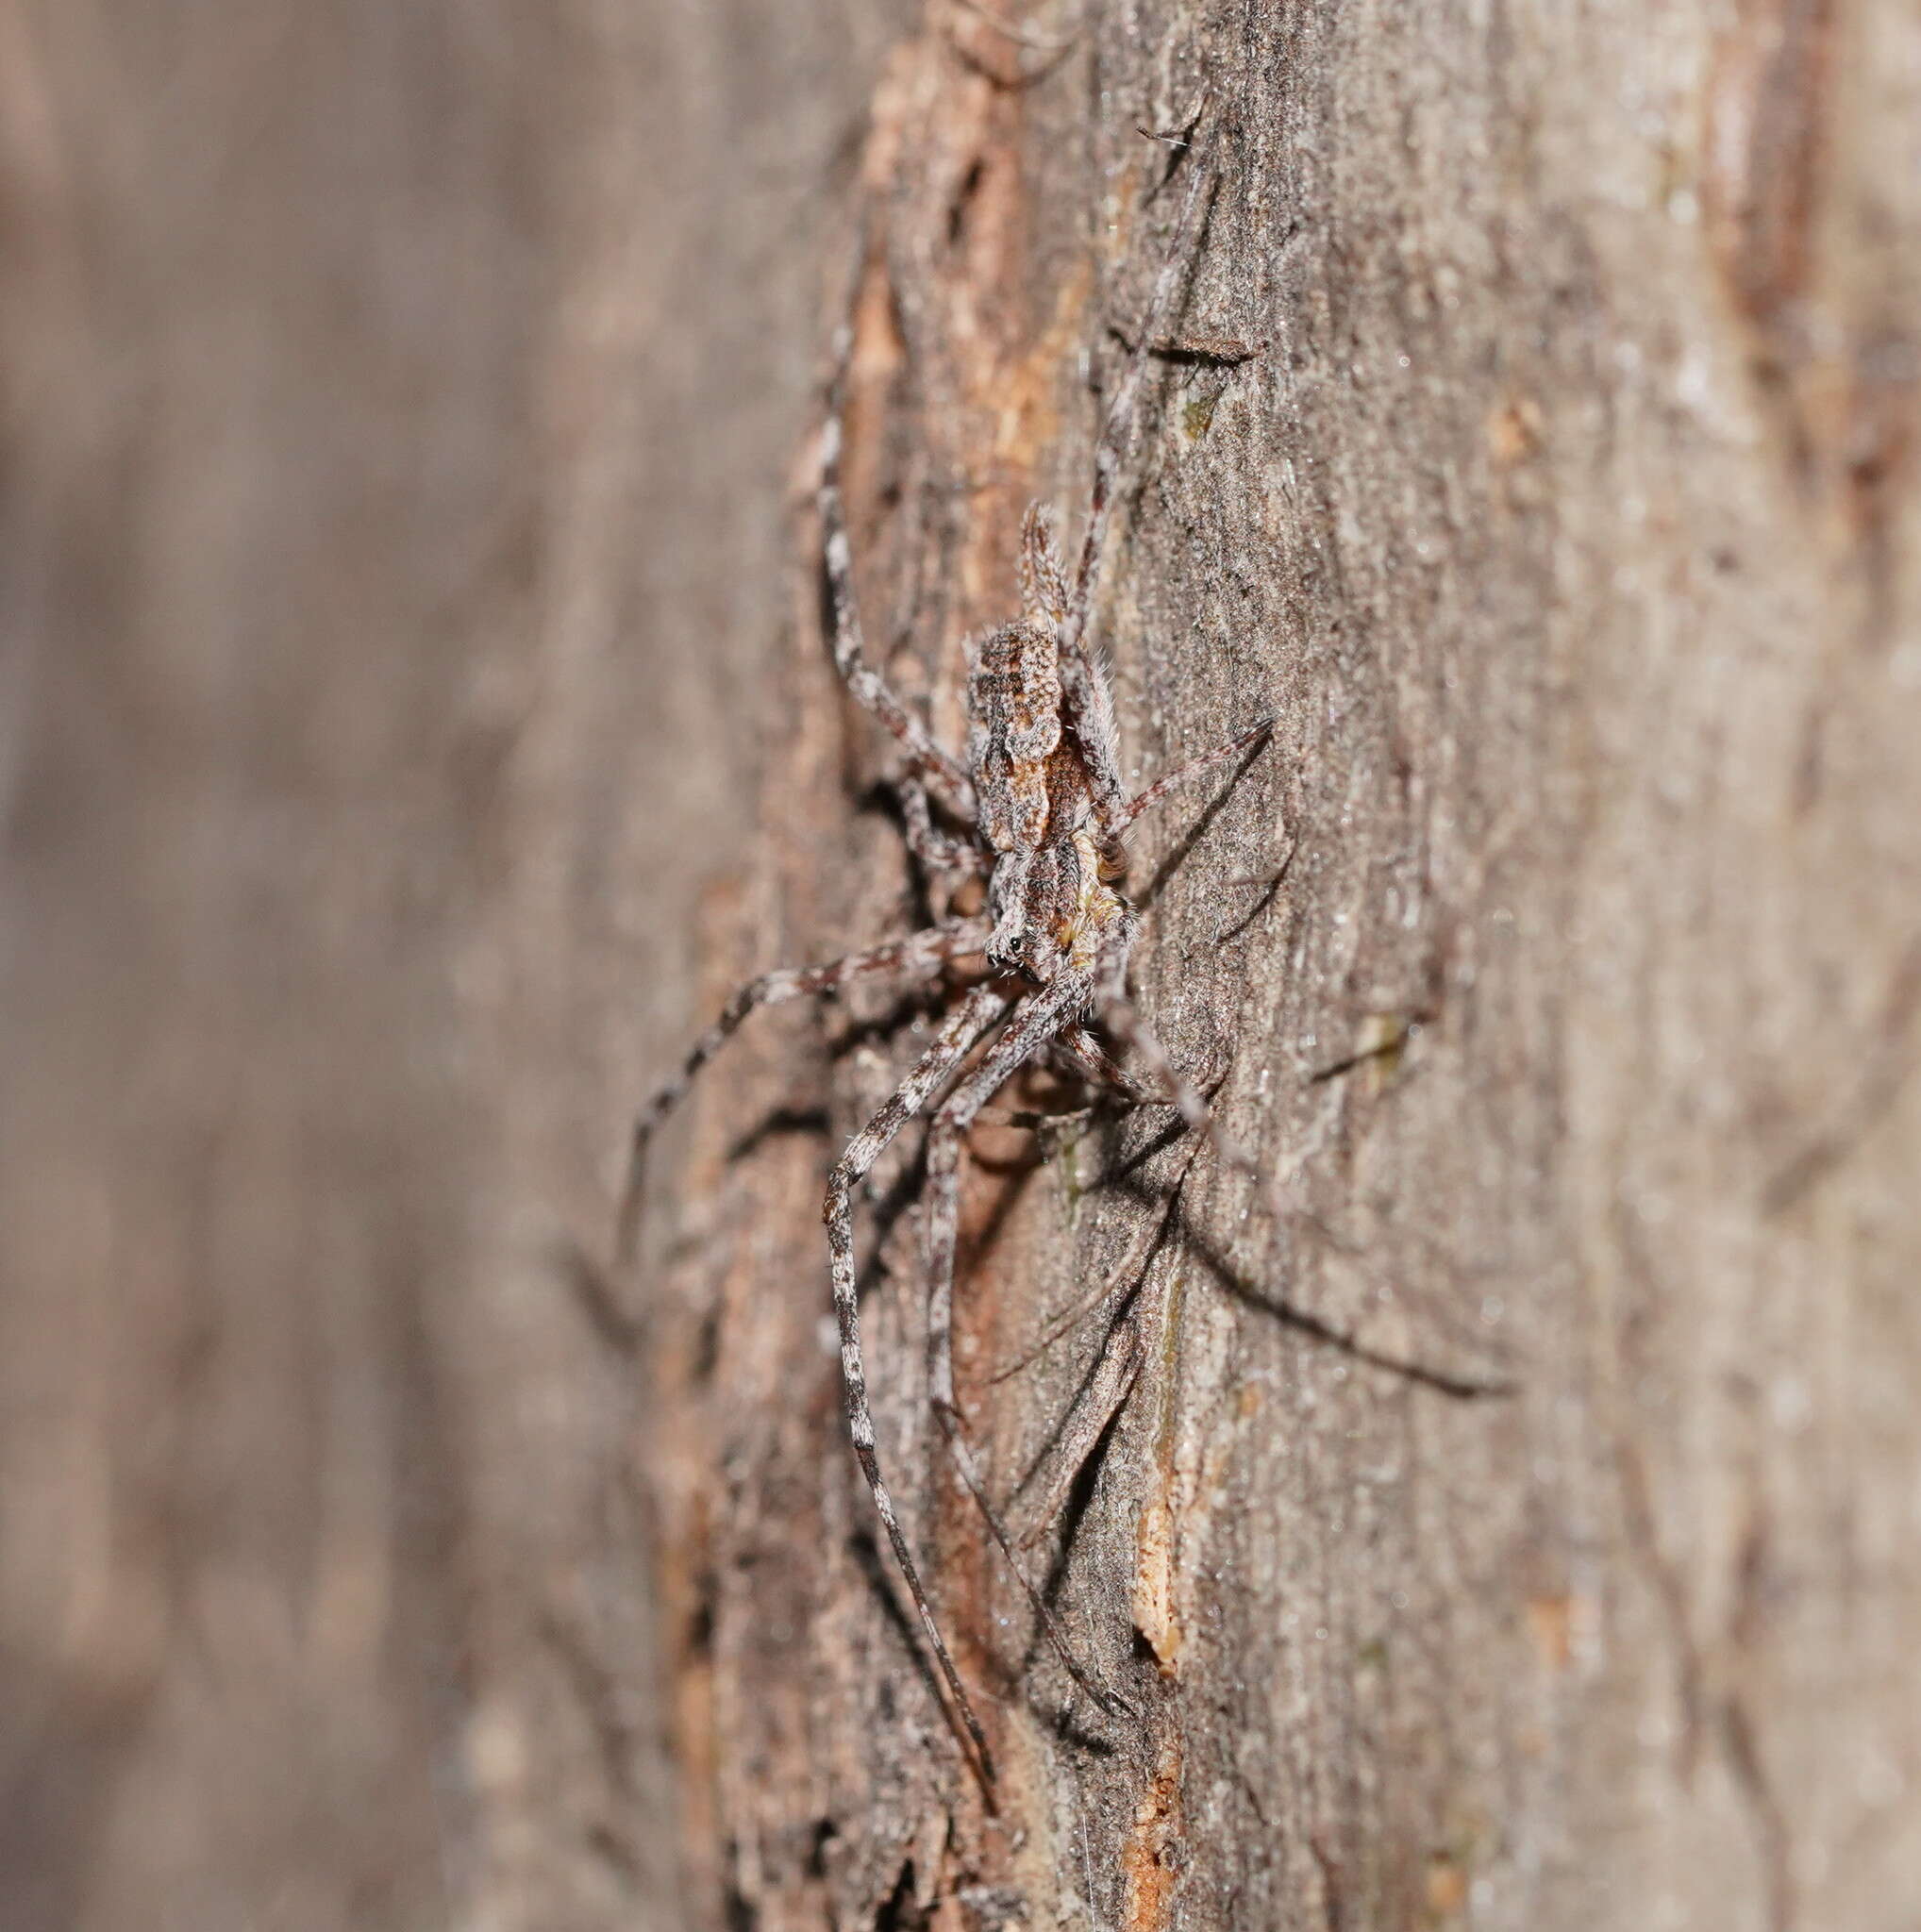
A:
(942, 773)
(1117, 431)
(1193, 767)
(1034, 1025)
(1079, 1048)
(1090, 708)
(1116, 1010)
(962, 1029)
(916, 956)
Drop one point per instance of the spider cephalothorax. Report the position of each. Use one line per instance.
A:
(1042, 809)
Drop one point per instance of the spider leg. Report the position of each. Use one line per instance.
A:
(1122, 1359)
(1119, 1014)
(942, 774)
(938, 850)
(1090, 708)
(917, 956)
(1079, 1048)
(969, 1021)
(1193, 767)
(1122, 1283)
(1034, 1024)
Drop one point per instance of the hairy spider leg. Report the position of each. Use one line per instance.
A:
(938, 850)
(959, 1034)
(1090, 708)
(1122, 1359)
(1193, 769)
(1079, 1048)
(915, 957)
(1117, 1012)
(1119, 1285)
(940, 771)
(1035, 1024)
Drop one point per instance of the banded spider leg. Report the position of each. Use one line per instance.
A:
(918, 956)
(964, 1029)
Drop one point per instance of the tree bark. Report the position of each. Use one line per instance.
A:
(1513, 1530)
(417, 718)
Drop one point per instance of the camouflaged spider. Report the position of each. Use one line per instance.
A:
(1043, 812)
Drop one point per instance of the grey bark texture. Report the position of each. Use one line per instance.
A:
(417, 718)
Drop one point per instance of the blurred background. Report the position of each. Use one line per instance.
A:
(400, 409)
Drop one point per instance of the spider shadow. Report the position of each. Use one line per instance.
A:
(907, 1631)
(1122, 1309)
(1017, 1678)
(780, 1123)
(1270, 891)
(1179, 1227)
(1203, 1248)
(882, 798)
(813, 1120)
(1062, 1721)
(1183, 847)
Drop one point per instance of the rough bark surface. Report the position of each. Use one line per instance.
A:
(1565, 947)
(404, 626)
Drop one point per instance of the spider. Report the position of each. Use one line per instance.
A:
(1043, 814)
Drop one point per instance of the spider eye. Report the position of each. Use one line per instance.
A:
(1011, 955)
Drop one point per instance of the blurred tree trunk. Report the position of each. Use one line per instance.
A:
(398, 401)
(411, 610)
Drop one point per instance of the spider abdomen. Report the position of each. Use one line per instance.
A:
(1014, 705)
